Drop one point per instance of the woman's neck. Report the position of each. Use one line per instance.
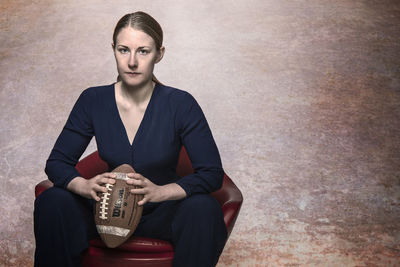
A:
(136, 95)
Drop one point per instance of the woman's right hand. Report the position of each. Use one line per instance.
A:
(89, 187)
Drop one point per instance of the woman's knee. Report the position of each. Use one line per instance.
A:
(198, 211)
(53, 198)
(58, 207)
(201, 204)
(55, 202)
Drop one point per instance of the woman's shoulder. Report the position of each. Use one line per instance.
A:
(175, 95)
(98, 90)
(94, 94)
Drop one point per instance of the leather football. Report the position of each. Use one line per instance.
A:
(117, 214)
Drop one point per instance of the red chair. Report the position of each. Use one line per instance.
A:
(139, 251)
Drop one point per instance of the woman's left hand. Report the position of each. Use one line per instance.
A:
(152, 192)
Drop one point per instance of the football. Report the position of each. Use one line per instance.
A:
(117, 214)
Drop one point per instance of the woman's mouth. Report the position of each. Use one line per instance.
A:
(132, 74)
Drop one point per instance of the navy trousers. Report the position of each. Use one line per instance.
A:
(64, 223)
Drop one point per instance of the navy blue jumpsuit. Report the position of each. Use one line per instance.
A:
(64, 221)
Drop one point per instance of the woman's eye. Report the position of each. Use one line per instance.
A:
(123, 51)
(143, 52)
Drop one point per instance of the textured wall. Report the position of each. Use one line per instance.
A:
(302, 98)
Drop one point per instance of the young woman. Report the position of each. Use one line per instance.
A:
(138, 121)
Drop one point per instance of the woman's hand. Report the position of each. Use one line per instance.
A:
(90, 187)
(152, 192)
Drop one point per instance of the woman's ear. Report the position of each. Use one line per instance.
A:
(160, 54)
(112, 46)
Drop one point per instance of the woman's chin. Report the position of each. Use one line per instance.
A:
(132, 82)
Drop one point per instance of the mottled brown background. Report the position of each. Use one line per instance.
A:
(302, 98)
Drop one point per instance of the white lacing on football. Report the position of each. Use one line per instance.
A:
(121, 176)
(104, 202)
(112, 230)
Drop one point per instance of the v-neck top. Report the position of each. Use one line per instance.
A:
(119, 115)
(172, 118)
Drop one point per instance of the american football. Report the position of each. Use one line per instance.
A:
(117, 213)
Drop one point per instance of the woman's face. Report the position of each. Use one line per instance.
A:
(135, 53)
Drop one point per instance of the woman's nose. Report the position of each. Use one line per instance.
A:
(132, 61)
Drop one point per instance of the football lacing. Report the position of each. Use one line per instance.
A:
(104, 203)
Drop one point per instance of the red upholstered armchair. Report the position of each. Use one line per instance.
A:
(139, 251)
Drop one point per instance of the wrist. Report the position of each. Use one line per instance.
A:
(172, 192)
(75, 184)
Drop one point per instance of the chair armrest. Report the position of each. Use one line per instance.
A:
(43, 185)
(230, 198)
(91, 165)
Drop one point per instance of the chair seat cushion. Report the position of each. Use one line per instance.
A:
(138, 244)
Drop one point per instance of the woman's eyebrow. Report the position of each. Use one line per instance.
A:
(140, 47)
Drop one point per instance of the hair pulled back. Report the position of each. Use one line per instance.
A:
(144, 22)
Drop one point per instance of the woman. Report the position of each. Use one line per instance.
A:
(138, 121)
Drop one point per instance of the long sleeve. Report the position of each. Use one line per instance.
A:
(197, 138)
(71, 143)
